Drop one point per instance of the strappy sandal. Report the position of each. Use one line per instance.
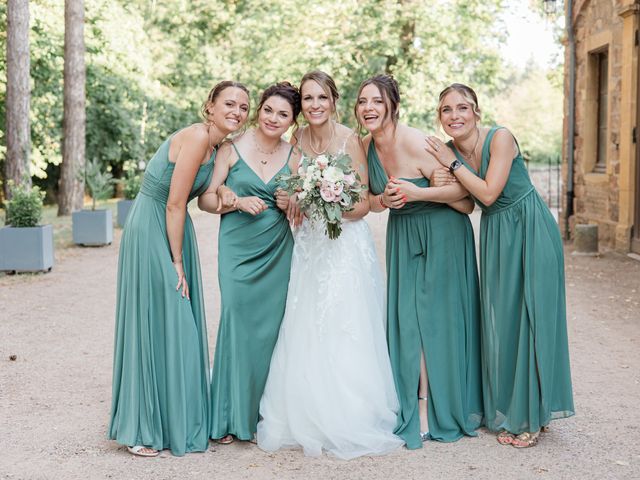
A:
(424, 436)
(505, 438)
(139, 450)
(226, 440)
(526, 439)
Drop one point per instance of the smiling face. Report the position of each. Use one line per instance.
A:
(457, 115)
(275, 116)
(372, 110)
(230, 109)
(317, 104)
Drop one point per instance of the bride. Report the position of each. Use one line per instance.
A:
(330, 385)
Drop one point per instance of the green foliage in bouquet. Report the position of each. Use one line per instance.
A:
(325, 187)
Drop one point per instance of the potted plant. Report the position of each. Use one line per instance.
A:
(130, 187)
(94, 227)
(25, 246)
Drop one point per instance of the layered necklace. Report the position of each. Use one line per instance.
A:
(262, 150)
(321, 150)
(472, 152)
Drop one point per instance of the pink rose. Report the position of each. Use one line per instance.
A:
(326, 192)
(350, 179)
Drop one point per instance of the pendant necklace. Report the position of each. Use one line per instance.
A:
(467, 156)
(261, 150)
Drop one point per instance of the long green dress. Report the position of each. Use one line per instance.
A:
(433, 306)
(254, 260)
(526, 374)
(161, 364)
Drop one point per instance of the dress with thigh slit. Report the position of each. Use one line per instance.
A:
(433, 306)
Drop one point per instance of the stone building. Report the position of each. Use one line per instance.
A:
(600, 151)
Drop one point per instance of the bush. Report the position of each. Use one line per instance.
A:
(131, 184)
(25, 207)
(99, 182)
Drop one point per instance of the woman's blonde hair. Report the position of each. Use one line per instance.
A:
(467, 93)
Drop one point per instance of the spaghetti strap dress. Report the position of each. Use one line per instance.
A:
(254, 259)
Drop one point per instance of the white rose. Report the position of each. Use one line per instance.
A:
(322, 161)
(301, 195)
(308, 183)
(333, 174)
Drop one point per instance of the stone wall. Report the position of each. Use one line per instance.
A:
(597, 25)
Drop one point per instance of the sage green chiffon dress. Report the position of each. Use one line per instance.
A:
(254, 260)
(433, 306)
(526, 374)
(161, 365)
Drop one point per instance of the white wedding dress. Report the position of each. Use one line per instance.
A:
(330, 385)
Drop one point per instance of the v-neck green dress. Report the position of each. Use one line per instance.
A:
(526, 374)
(433, 306)
(160, 364)
(254, 260)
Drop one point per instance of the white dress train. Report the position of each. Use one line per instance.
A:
(330, 385)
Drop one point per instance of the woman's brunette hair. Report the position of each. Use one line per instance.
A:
(390, 95)
(284, 90)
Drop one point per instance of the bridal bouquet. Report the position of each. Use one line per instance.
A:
(326, 186)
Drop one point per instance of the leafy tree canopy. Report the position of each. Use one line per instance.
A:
(151, 63)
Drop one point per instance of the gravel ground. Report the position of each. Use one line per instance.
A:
(55, 396)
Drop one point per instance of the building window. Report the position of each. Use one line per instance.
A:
(602, 69)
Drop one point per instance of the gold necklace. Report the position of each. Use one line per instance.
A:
(323, 150)
(467, 156)
(255, 141)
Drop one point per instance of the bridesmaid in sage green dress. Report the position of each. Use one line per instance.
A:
(254, 259)
(161, 364)
(526, 374)
(433, 305)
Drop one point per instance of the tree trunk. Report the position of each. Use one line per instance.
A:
(71, 194)
(17, 96)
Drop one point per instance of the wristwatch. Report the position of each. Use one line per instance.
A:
(456, 164)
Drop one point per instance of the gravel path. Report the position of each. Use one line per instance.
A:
(55, 396)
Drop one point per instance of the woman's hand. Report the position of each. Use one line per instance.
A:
(294, 214)
(441, 177)
(227, 198)
(252, 205)
(282, 199)
(392, 197)
(182, 280)
(409, 191)
(440, 150)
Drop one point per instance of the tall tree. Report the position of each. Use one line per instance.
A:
(71, 194)
(17, 97)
